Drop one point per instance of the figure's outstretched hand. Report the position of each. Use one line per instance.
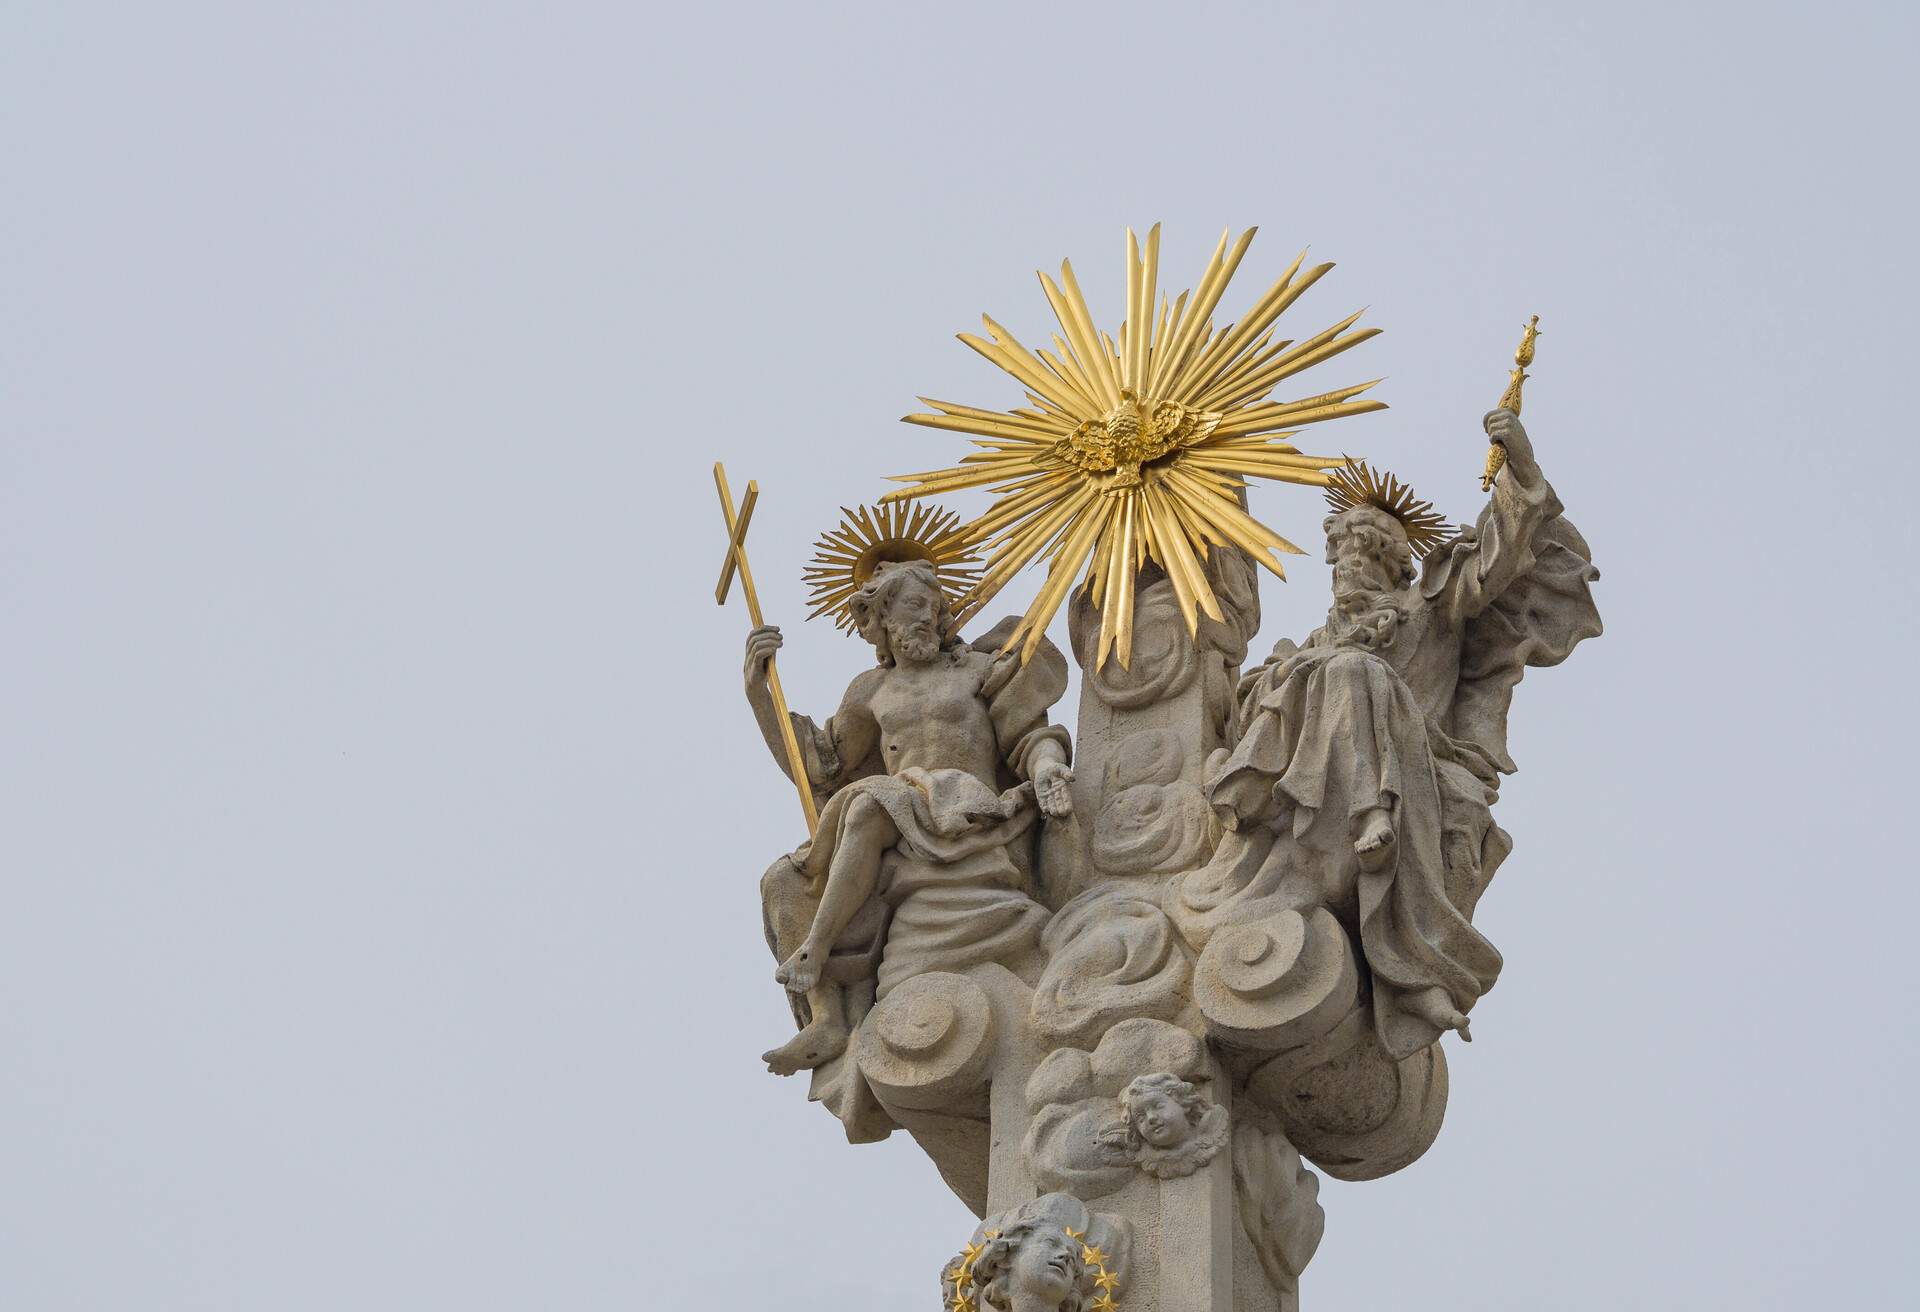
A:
(1050, 780)
(1505, 430)
(762, 643)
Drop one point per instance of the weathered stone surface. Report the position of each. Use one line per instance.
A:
(1113, 955)
(1281, 981)
(926, 1045)
(1151, 820)
(1279, 1201)
(1135, 1103)
(1357, 1114)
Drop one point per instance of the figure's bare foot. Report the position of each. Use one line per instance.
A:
(816, 1045)
(1376, 833)
(801, 972)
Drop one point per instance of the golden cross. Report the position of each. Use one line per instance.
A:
(737, 559)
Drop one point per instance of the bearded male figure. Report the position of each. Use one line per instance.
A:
(1370, 756)
(932, 772)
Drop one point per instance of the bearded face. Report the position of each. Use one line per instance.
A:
(1369, 554)
(912, 634)
(902, 613)
(1358, 572)
(1372, 565)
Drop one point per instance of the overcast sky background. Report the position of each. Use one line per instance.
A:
(380, 818)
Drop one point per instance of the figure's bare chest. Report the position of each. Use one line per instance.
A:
(938, 696)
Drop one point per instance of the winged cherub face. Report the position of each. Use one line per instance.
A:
(1158, 1119)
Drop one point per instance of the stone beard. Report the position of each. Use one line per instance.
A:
(1372, 567)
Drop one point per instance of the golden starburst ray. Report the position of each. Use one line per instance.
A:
(1360, 485)
(845, 557)
(1137, 446)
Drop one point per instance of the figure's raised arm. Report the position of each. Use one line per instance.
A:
(762, 643)
(1502, 546)
(1505, 431)
(830, 750)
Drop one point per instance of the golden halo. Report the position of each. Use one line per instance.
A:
(1360, 485)
(1137, 446)
(869, 536)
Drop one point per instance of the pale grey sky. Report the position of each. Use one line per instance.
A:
(379, 814)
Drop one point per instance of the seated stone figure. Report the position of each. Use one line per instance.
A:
(932, 773)
(1372, 754)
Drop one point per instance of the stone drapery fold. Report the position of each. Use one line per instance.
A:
(1337, 734)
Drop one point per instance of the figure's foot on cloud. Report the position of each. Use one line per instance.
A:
(816, 1045)
(801, 972)
(1376, 839)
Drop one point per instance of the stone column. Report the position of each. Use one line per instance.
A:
(1147, 729)
(1129, 1060)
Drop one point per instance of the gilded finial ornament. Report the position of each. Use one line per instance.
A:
(1360, 485)
(1136, 447)
(1510, 399)
(845, 557)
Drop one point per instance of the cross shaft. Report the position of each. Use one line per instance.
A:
(737, 560)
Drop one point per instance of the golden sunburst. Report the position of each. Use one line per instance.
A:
(1360, 485)
(845, 557)
(1136, 448)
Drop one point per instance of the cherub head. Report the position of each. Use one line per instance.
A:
(1031, 1265)
(903, 612)
(1168, 1128)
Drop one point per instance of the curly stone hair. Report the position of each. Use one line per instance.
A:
(1378, 534)
(1190, 1100)
(868, 606)
(1207, 1128)
(995, 1263)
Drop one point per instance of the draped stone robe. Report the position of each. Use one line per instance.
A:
(1333, 728)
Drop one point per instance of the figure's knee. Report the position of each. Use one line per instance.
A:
(870, 819)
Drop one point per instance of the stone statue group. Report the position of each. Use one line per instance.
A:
(1225, 936)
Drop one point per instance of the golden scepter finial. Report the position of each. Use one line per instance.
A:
(1510, 399)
